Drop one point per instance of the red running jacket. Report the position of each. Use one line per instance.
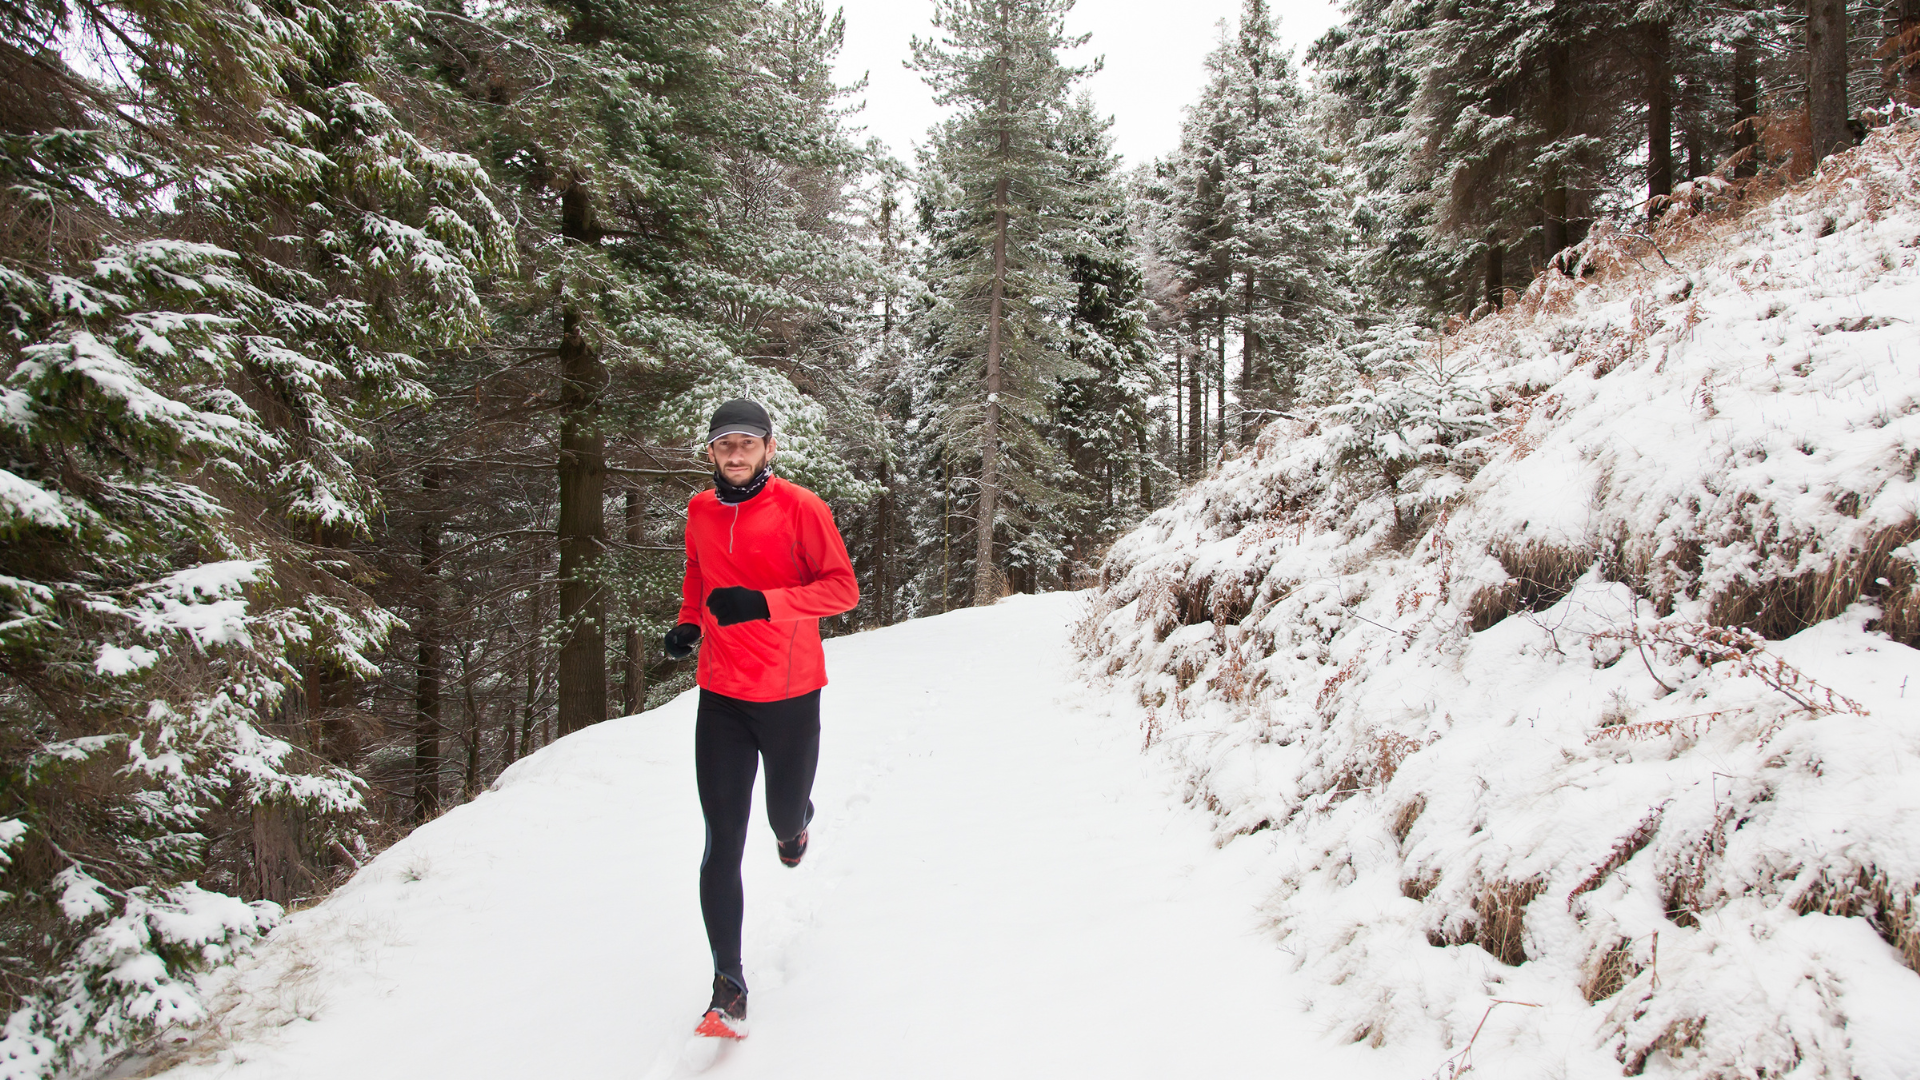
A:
(782, 542)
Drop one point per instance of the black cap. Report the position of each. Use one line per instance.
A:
(740, 417)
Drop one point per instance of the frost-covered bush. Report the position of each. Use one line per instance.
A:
(1615, 724)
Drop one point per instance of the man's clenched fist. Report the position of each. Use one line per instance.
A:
(734, 604)
(680, 640)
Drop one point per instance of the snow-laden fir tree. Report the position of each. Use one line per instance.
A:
(1102, 419)
(223, 250)
(1001, 223)
(1251, 221)
(1291, 247)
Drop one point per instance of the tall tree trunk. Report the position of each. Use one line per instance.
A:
(582, 469)
(986, 575)
(1196, 417)
(470, 787)
(1692, 138)
(1179, 412)
(532, 673)
(633, 673)
(883, 547)
(427, 674)
(1827, 76)
(946, 529)
(1553, 204)
(281, 869)
(1496, 273)
(1656, 41)
(1746, 105)
(1146, 474)
(1220, 376)
(509, 739)
(1254, 389)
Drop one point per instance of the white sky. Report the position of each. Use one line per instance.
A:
(1153, 50)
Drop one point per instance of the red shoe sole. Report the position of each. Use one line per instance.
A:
(714, 1026)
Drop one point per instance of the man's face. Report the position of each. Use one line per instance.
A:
(739, 457)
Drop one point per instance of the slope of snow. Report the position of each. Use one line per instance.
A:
(1000, 885)
(1573, 661)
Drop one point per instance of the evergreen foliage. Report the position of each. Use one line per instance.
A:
(1001, 227)
(226, 251)
(1249, 219)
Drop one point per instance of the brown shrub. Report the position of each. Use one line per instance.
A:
(1538, 575)
(1373, 766)
(1611, 969)
(1408, 813)
(1417, 888)
(1500, 918)
(1870, 894)
(1624, 849)
(1685, 871)
(1681, 1035)
(1781, 607)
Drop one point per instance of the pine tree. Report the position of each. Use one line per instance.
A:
(1000, 226)
(1102, 419)
(241, 253)
(1251, 221)
(1291, 298)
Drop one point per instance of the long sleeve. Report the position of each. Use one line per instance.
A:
(834, 587)
(693, 592)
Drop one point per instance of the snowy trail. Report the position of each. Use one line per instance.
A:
(1000, 885)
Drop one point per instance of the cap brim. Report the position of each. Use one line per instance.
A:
(737, 429)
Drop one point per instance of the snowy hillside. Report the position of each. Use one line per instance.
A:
(1572, 661)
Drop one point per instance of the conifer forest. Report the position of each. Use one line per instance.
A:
(358, 354)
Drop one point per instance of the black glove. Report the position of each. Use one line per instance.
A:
(734, 604)
(680, 640)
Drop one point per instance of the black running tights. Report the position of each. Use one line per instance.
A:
(729, 738)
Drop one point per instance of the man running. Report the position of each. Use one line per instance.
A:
(764, 563)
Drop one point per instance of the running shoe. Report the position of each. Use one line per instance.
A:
(792, 851)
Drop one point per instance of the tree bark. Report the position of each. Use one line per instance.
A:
(532, 672)
(883, 547)
(1220, 376)
(1656, 41)
(470, 787)
(1553, 205)
(280, 866)
(1146, 474)
(1827, 77)
(1179, 412)
(1746, 106)
(633, 673)
(987, 582)
(582, 469)
(986, 575)
(1196, 417)
(427, 672)
(1496, 273)
(1254, 391)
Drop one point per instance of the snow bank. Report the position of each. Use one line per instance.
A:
(1573, 659)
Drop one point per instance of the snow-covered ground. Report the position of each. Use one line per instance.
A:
(1000, 885)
